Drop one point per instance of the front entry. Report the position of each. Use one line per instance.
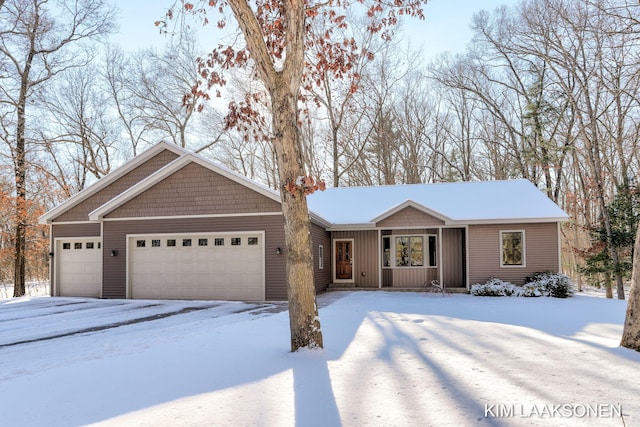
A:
(344, 260)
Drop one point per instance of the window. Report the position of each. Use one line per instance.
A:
(171, 242)
(432, 252)
(409, 251)
(386, 252)
(203, 242)
(141, 243)
(155, 243)
(320, 257)
(218, 241)
(512, 248)
(236, 241)
(66, 246)
(88, 245)
(77, 246)
(252, 241)
(186, 242)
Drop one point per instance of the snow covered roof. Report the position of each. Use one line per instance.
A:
(478, 202)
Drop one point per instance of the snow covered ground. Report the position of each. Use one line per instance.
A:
(390, 359)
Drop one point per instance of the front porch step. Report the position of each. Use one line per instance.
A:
(349, 287)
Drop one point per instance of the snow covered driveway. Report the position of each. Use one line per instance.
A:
(25, 321)
(390, 359)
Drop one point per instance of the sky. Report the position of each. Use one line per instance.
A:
(445, 28)
(390, 359)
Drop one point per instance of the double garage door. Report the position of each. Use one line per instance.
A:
(227, 266)
(78, 267)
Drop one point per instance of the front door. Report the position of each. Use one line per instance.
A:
(344, 257)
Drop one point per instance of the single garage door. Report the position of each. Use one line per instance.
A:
(79, 267)
(197, 266)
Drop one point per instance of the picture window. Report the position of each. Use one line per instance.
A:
(512, 248)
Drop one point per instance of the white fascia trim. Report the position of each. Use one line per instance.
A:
(318, 220)
(352, 227)
(108, 179)
(411, 203)
(514, 221)
(167, 171)
(72, 222)
(147, 218)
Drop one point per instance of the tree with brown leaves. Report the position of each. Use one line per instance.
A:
(277, 34)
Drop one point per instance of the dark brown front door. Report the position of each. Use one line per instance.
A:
(343, 259)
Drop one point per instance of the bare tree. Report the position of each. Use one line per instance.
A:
(37, 43)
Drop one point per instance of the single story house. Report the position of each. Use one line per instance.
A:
(170, 224)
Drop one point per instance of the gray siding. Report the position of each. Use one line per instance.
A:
(541, 252)
(322, 277)
(366, 258)
(410, 277)
(195, 190)
(81, 211)
(114, 275)
(409, 217)
(453, 257)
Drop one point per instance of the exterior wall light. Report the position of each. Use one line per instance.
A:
(114, 252)
(278, 251)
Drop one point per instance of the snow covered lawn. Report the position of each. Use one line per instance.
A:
(390, 359)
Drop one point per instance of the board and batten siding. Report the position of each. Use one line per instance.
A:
(453, 257)
(195, 190)
(321, 277)
(411, 277)
(366, 259)
(541, 252)
(114, 275)
(81, 211)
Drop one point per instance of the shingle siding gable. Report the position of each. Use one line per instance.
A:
(195, 190)
(80, 212)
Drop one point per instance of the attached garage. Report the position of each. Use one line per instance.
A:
(79, 267)
(225, 266)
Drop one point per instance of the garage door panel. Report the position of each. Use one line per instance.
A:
(79, 267)
(210, 268)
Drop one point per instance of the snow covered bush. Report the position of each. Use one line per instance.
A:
(494, 288)
(540, 284)
(552, 284)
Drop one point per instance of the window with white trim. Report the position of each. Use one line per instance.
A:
(409, 251)
(512, 248)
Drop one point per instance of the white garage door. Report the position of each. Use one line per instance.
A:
(226, 266)
(79, 267)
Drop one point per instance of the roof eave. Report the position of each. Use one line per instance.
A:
(48, 217)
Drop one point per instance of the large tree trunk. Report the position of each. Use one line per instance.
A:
(19, 285)
(631, 332)
(303, 312)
